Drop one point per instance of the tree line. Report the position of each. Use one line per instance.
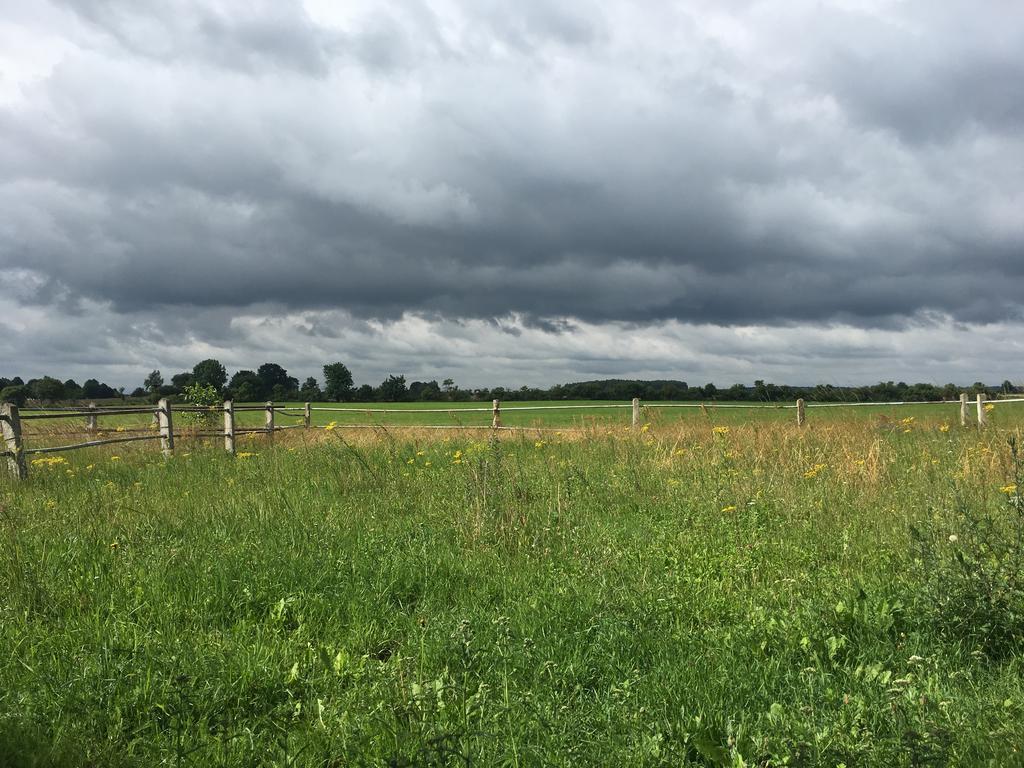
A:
(270, 381)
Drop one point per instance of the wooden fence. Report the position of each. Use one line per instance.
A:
(16, 452)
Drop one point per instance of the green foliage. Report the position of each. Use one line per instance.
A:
(154, 381)
(973, 570)
(209, 373)
(15, 393)
(202, 395)
(337, 382)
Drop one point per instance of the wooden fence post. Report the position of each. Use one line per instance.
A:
(166, 426)
(90, 420)
(229, 427)
(270, 422)
(982, 416)
(495, 414)
(963, 409)
(306, 420)
(801, 412)
(10, 428)
(636, 413)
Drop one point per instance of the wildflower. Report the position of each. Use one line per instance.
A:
(246, 454)
(953, 538)
(815, 471)
(421, 453)
(907, 421)
(645, 429)
(457, 455)
(679, 452)
(90, 466)
(1010, 489)
(331, 426)
(730, 508)
(944, 427)
(426, 463)
(721, 430)
(115, 458)
(120, 428)
(989, 407)
(411, 461)
(114, 544)
(540, 444)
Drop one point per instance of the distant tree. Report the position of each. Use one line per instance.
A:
(364, 394)
(337, 382)
(91, 388)
(424, 391)
(276, 381)
(210, 373)
(710, 391)
(4, 383)
(71, 390)
(182, 380)
(14, 393)
(47, 389)
(154, 381)
(1008, 388)
(393, 389)
(310, 391)
(247, 387)
(140, 392)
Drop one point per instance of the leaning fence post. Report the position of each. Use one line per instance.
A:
(982, 416)
(270, 422)
(166, 426)
(495, 414)
(10, 428)
(801, 412)
(90, 420)
(963, 409)
(229, 427)
(306, 420)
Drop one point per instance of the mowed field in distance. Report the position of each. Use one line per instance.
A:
(551, 414)
(706, 590)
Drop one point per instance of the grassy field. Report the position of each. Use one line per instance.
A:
(551, 415)
(703, 592)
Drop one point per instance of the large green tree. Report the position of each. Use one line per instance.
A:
(210, 373)
(337, 382)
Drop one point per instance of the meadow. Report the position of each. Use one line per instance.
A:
(709, 590)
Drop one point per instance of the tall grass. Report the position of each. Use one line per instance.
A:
(752, 595)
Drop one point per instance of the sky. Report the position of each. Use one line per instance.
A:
(815, 191)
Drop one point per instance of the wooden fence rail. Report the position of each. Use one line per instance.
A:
(15, 451)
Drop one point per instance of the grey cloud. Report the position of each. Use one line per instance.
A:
(559, 163)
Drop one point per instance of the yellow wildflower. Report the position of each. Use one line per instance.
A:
(730, 508)
(721, 430)
(944, 427)
(115, 458)
(1010, 489)
(989, 407)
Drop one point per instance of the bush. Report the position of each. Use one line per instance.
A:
(974, 573)
(202, 395)
(16, 393)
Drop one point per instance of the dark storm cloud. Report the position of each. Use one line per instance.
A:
(731, 164)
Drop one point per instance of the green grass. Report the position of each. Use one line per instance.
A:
(479, 415)
(752, 596)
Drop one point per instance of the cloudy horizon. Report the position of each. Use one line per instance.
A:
(825, 192)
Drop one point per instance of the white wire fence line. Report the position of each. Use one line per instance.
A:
(11, 420)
